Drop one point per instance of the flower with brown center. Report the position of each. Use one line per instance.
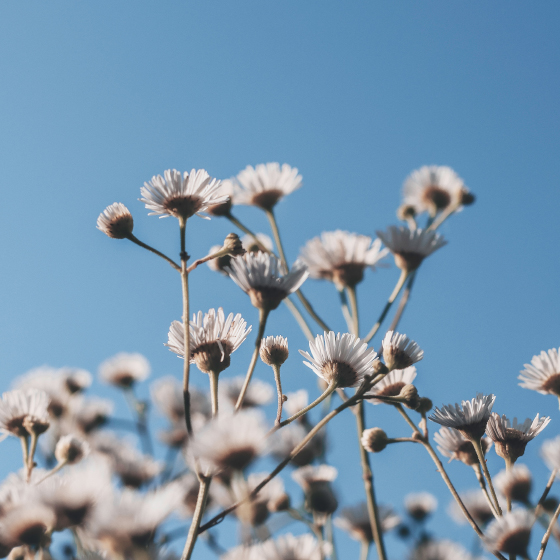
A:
(71, 449)
(543, 373)
(341, 359)
(284, 441)
(22, 408)
(399, 351)
(116, 221)
(419, 506)
(264, 185)
(355, 521)
(226, 189)
(455, 445)
(316, 484)
(274, 350)
(181, 195)
(124, 370)
(263, 278)
(392, 384)
(511, 438)
(511, 533)
(410, 247)
(515, 484)
(341, 257)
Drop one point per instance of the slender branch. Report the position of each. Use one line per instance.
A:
(263, 315)
(299, 318)
(222, 252)
(197, 517)
(546, 536)
(32, 448)
(330, 389)
(545, 493)
(480, 477)
(403, 302)
(214, 391)
(276, 370)
(345, 311)
(134, 239)
(354, 310)
(392, 297)
(480, 454)
(24, 450)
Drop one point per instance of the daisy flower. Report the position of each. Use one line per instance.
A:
(511, 533)
(420, 505)
(399, 351)
(515, 483)
(116, 221)
(316, 484)
(455, 445)
(392, 384)
(274, 350)
(477, 505)
(543, 373)
(124, 370)
(20, 408)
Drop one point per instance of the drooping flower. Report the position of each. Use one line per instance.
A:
(392, 384)
(510, 533)
(455, 445)
(355, 521)
(543, 373)
(341, 257)
(410, 247)
(266, 184)
(116, 221)
(181, 195)
(470, 418)
(263, 278)
(342, 359)
(124, 370)
(213, 338)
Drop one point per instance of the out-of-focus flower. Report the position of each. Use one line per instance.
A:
(21, 407)
(124, 370)
(71, 449)
(477, 505)
(440, 550)
(316, 484)
(543, 373)
(226, 189)
(420, 505)
(515, 483)
(251, 246)
(510, 533)
(355, 521)
(455, 445)
(167, 395)
(258, 393)
(284, 441)
(88, 414)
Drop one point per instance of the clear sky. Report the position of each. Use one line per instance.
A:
(97, 97)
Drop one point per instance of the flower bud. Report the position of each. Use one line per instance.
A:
(409, 396)
(406, 211)
(374, 440)
(233, 244)
(274, 350)
(424, 405)
(116, 221)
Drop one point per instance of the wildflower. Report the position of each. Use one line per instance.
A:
(543, 373)
(295, 402)
(288, 547)
(419, 506)
(274, 350)
(392, 384)
(263, 278)
(440, 550)
(511, 533)
(21, 407)
(550, 452)
(399, 352)
(124, 370)
(71, 449)
(26, 524)
(343, 360)
(288, 438)
(455, 445)
(341, 257)
(515, 483)
(316, 484)
(167, 395)
(477, 505)
(116, 221)
(266, 184)
(87, 415)
(355, 521)
(374, 440)
(226, 189)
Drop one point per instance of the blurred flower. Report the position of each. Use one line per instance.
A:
(455, 445)
(21, 406)
(420, 505)
(515, 483)
(116, 221)
(87, 415)
(71, 449)
(477, 505)
(316, 484)
(226, 189)
(550, 452)
(355, 521)
(167, 395)
(440, 550)
(543, 373)
(258, 393)
(288, 547)
(510, 533)
(284, 441)
(124, 370)
(251, 246)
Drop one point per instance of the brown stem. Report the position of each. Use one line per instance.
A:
(546, 537)
(134, 239)
(197, 517)
(276, 370)
(186, 325)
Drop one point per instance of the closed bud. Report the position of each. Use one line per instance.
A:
(406, 211)
(409, 396)
(233, 244)
(274, 350)
(467, 197)
(424, 405)
(374, 440)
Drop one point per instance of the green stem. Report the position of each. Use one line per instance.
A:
(197, 517)
(480, 454)
(330, 389)
(214, 391)
(367, 473)
(392, 297)
(263, 315)
(354, 310)
(134, 239)
(276, 370)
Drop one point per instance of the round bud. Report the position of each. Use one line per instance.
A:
(406, 211)
(274, 350)
(409, 396)
(424, 405)
(233, 244)
(467, 198)
(70, 449)
(379, 368)
(116, 221)
(374, 440)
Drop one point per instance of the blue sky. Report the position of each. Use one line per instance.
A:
(96, 98)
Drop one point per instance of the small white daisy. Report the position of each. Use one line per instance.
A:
(87, 415)
(124, 370)
(432, 188)
(26, 524)
(266, 184)
(550, 452)
(440, 550)
(515, 483)
(263, 278)
(511, 438)
(392, 384)
(399, 351)
(477, 505)
(21, 406)
(543, 373)
(355, 521)
(116, 221)
(511, 533)
(341, 257)
(181, 195)
(470, 418)
(288, 547)
(455, 445)
(420, 505)
(213, 338)
(340, 359)
(410, 247)
(274, 350)
(316, 484)
(71, 449)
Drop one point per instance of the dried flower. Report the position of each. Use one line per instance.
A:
(274, 350)
(116, 221)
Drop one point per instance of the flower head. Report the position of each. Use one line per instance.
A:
(392, 384)
(420, 505)
(116, 221)
(71, 449)
(477, 505)
(399, 351)
(124, 370)
(341, 257)
(440, 550)
(515, 483)
(21, 408)
(455, 445)
(470, 418)
(266, 184)
(274, 350)
(284, 441)
(181, 195)
(263, 278)
(511, 438)
(510, 533)
(410, 247)
(316, 484)
(341, 359)
(543, 373)
(258, 393)
(432, 188)
(167, 395)
(226, 189)
(213, 338)
(355, 521)
(374, 440)
(550, 452)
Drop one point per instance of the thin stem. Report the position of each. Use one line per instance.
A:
(367, 473)
(546, 537)
(24, 450)
(263, 315)
(134, 239)
(197, 517)
(364, 550)
(186, 325)
(443, 216)
(295, 514)
(246, 230)
(509, 464)
(480, 478)
(409, 421)
(299, 318)
(545, 493)
(404, 301)
(330, 537)
(52, 471)
(330, 389)
(214, 391)
(307, 304)
(345, 311)
(392, 297)
(354, 310)
(480, 454)
(276, 369)
(31, 455)
(222, 252)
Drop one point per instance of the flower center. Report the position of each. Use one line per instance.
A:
(183, 206)
(515, 542)
(237, 459)
(437, 197)
(210, 357)
(552, 384)
(340, 373)
(348, 274)
(392, 390)
(407, 260)
(267, 199)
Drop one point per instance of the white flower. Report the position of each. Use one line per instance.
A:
(316, 484)
(543, 373)
(477, 505)
(20, 406)
(440, 550)
(409, 247)
(284, 441)
(341, 257)
(511, 438)
(226, 188)
(550, 452)
(420, 505)
(432, 188)
(470, 418)
(355, 521)
(26, 524)
(263, 278)
(124, 370)
(399, 351)
(181, 195)
(455, 445)
(71, 449)
(258, 393)
(116, 221)
(274, 350)
(288, 547)
(391, 384)
(266, 184)
(229, 442)
(213, 338)
(515, 483)
(341, 359)
(86, 415)
(510, 533)
(296, 402)
(249, 244)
